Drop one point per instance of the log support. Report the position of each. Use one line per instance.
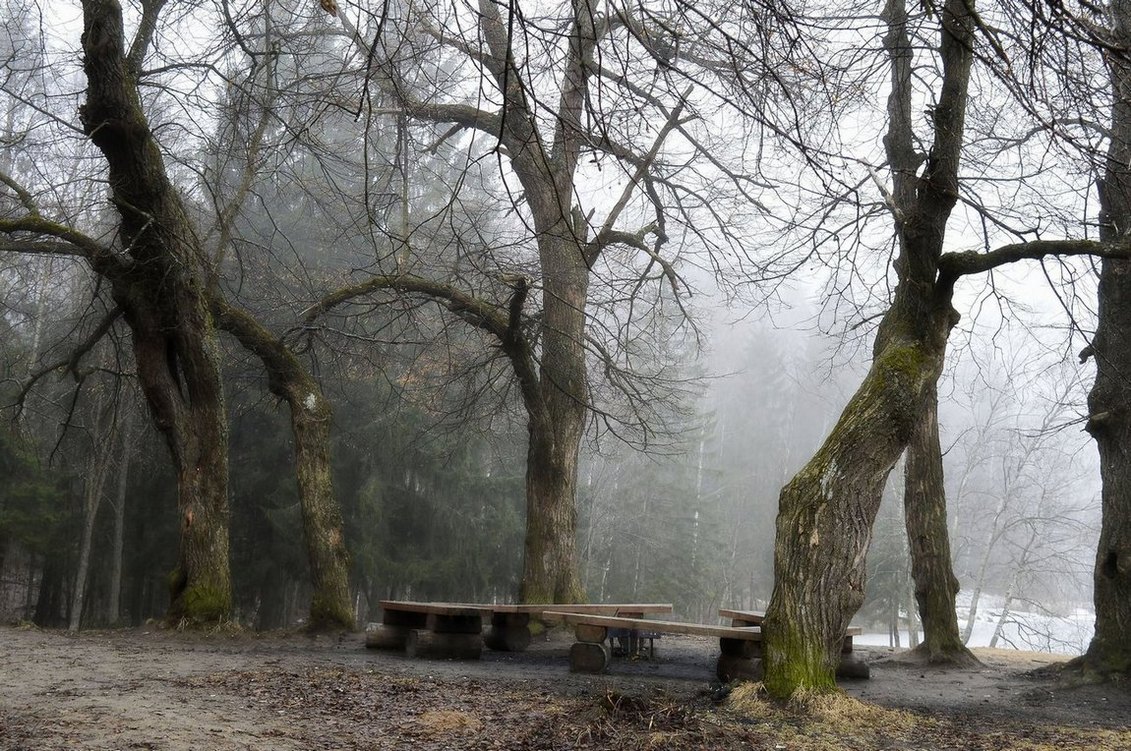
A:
(509, 632)
(589, 657)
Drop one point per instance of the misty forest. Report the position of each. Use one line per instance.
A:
(813, 309)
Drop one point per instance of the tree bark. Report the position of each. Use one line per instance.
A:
(330, 606)
(159, 290)
(1109, 413)
(936, 586)
(826, 512)
(550, 571)
(95, 482)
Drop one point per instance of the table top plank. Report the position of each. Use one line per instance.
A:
(459, 609)
(742, 615)
(756, 619)
(474, 608)
(749, 633)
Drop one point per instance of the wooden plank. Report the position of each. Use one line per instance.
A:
(437, 608)
(586, 607)
(752, 633)
(755, 619)
(745, 616)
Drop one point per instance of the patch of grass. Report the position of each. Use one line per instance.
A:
(836, 722)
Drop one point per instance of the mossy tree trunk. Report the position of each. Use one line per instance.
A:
(1109, 403)
(936, 586)
(826, 512)
(330, 606)
(160, 293)
(550, 569)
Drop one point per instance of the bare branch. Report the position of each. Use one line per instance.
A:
(71, 362)
(955, 265)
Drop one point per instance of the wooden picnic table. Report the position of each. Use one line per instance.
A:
(454, 629)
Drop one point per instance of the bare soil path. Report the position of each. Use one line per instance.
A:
(154, 689)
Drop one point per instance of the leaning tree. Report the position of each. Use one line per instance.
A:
(827, 511)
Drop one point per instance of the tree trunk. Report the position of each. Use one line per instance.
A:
(826, 512)
(114, 600)
(924, 502)
(549, 570)
(1109, 413)
(330, 606)
(1109, 422)
(159, 290)
(557, 421)
(92, 500)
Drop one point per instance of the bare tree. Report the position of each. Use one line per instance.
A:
(157, 228)
(827, 510)
(1109, 422)
(585, 100)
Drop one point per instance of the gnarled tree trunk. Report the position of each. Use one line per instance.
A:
(159, 291)
(826, 512)
(924, 502)
(330, 605)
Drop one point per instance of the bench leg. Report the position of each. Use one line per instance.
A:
(736, 668)
(391, 638)
(509, 632)
(745, 648)
(588, 657)
(853, 667)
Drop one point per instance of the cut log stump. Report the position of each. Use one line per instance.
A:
(393, 638)
(588, 633)
(588, 657)
(442, 646)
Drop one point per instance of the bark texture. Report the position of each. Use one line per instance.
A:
(159, 291)
(826, 512)
(928, 538)
(1109, 403)
(323, 530)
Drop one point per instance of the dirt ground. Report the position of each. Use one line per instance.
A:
(156, 689)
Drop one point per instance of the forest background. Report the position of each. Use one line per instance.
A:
(300, 183)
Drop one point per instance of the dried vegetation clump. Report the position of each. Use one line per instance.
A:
(830, 721)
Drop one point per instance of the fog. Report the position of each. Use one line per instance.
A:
(712, 377)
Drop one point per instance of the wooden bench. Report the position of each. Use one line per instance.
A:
(850, 666)
(510, 624)
(433, 629)
(455, 629)
(590, 654)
